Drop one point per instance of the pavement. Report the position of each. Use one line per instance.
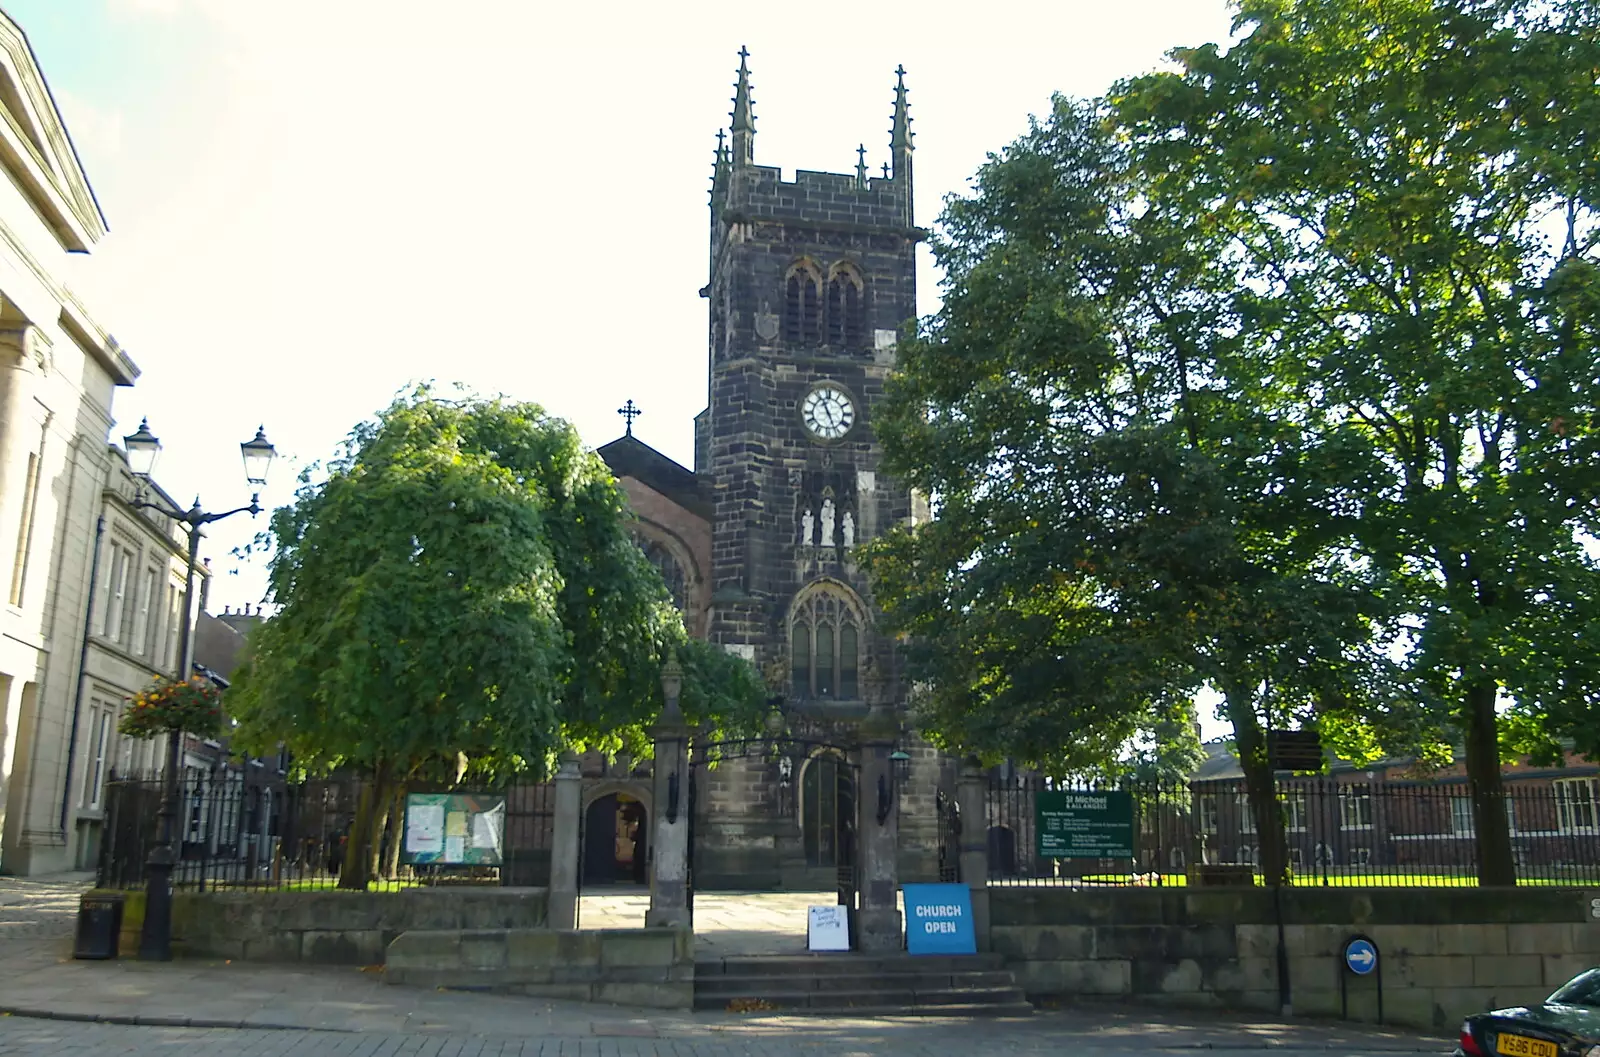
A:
(51, 1004)
(725, 924)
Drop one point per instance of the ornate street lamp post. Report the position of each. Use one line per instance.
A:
(155, 939)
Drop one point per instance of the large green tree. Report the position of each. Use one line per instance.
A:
(1125, 510)
(461, 586)
(1405, 192)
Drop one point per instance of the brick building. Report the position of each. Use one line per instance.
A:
(810, 283)
(1391, 813)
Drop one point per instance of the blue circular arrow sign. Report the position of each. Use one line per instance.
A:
(1360, 956)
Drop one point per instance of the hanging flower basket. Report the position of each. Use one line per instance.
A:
(163, 707)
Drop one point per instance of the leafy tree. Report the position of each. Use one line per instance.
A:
(461, 592)
(1405, 192)
(1124, 510)
(1171, 750)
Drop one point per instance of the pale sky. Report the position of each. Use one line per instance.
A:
(315, 203)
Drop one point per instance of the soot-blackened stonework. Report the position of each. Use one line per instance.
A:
(812, 280)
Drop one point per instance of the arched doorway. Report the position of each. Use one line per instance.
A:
(615, 841)
(828, 811)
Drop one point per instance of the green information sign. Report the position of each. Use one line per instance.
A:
(454, 829)
(1080, 824)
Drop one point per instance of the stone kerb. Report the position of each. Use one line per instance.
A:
(641, 967)
(329, 927)
(1446, 952)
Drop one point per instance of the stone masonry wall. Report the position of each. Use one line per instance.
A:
(328, 927)
(634, 967)
(1445, 952)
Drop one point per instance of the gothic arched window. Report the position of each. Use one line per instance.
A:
(672, 573)
(802, 296)
(847, 316)
(825, 644)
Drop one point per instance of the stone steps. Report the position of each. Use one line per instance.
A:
(866, 985)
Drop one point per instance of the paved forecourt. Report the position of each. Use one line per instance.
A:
(350, 1012)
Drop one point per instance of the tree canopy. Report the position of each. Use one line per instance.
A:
(1404, 192)
(1125, 511)
(462, 583)
(1274, 373)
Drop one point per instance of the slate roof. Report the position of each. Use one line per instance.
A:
(1221, 765)
(628, 456)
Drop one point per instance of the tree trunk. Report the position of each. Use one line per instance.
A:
(1259, 786)
(361, 851)
(396, 819)
(1496, 864)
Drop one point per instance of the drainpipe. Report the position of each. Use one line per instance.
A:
(83, 661)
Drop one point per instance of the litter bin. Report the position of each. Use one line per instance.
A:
(99, 926)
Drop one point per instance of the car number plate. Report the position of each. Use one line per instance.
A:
(1522, 1046)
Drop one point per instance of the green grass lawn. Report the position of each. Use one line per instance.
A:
(1334, 879)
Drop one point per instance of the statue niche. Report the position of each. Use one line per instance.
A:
(825, 509)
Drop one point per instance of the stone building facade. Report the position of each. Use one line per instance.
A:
(58, 371)
(811, 281)
(135, 610)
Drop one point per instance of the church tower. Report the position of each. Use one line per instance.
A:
(811, 281)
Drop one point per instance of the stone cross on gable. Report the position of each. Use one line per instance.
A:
(629, 412)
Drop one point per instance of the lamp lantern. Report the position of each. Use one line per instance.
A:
(258, 455)
(142, 448)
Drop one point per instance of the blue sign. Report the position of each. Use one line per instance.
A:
(1360, 956)
(939, 919)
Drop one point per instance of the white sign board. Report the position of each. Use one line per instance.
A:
(829, 929)
(425, 829)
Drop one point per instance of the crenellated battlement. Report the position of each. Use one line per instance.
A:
(759, 191)
(741, 189)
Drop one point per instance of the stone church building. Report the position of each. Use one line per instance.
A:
(810, 282)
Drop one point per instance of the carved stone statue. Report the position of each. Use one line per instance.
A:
(806, 528)
(827, 522)
(776, 674)
(849, 529)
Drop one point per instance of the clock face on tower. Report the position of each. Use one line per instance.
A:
(827, 412)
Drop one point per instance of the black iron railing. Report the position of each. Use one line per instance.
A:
(239, 830)
(1338, 831)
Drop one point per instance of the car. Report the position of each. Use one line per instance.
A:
(1567, 1024)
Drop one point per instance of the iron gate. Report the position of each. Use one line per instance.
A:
(790, 756)
(949, 813)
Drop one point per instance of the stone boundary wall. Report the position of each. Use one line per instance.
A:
(1445, 952)
(634, 967)
(327, 927)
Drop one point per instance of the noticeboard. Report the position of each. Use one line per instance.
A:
(1294, 750)
(454, 829)
(1082, 824)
